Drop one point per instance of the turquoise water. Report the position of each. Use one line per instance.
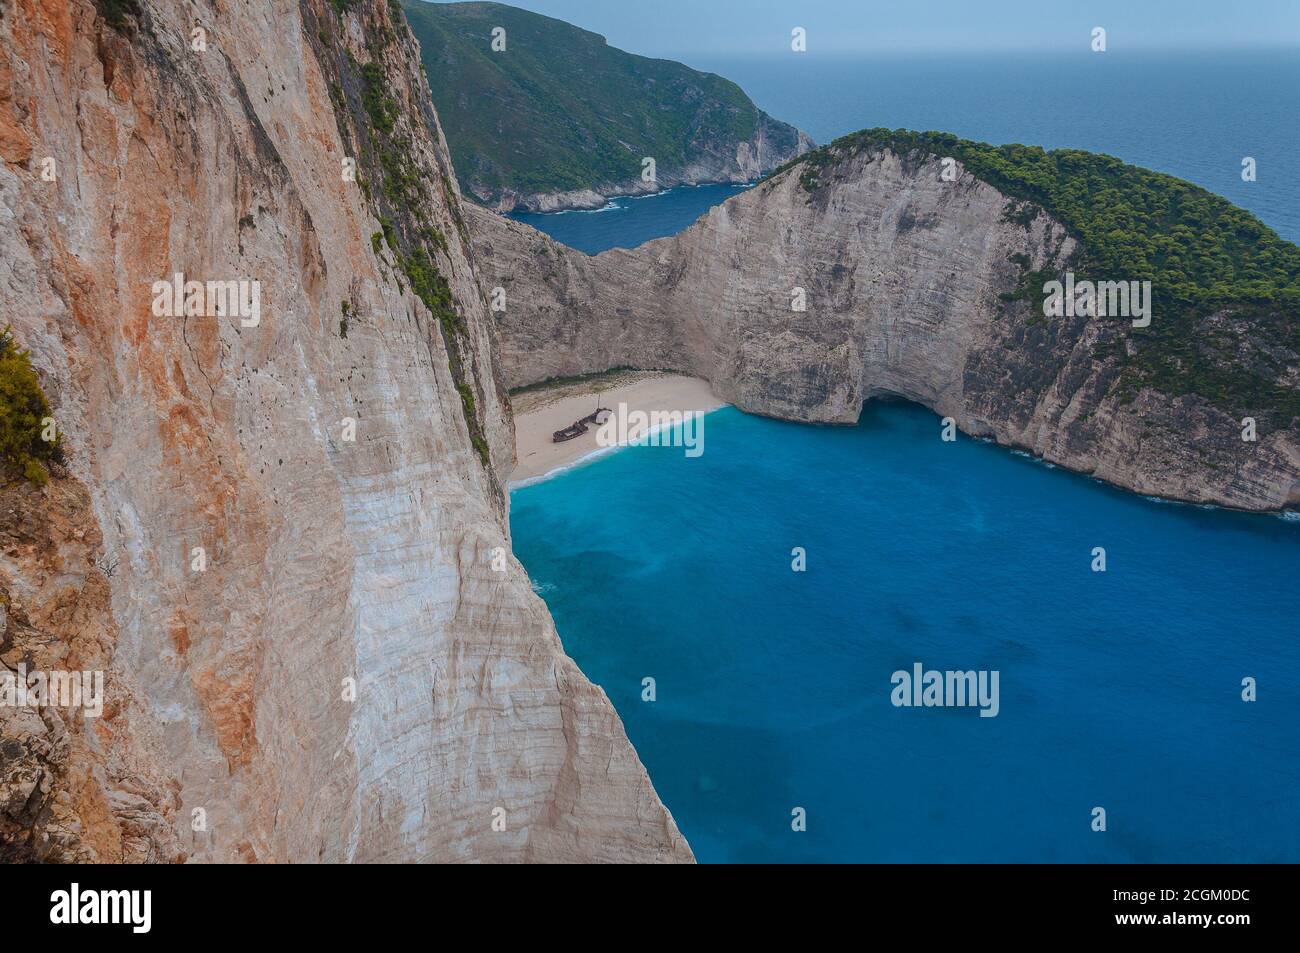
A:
(1119, 689)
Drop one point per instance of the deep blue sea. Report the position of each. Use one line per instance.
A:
(1118, 689)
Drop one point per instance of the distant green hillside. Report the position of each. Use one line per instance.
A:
(1202, 254)
(560, 110)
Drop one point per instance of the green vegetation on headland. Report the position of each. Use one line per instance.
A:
(24, 416)
(1202, 254)
(570, 379)
(560, 110)
(597, 380)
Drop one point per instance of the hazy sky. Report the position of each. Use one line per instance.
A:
(676, 27)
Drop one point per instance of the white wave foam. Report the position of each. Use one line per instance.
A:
(597, 454)
(573, 464)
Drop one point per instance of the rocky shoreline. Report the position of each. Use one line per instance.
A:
(599, 195)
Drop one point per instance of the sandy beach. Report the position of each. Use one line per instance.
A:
(541, 411)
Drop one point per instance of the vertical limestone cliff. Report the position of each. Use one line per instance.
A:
(255, 517)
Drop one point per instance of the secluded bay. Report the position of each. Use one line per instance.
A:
(1119, 689)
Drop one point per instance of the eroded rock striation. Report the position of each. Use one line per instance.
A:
(282, 535)
(73, 788)
(915, 287)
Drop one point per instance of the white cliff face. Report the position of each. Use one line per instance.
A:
(326, 561)
(901, 274)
